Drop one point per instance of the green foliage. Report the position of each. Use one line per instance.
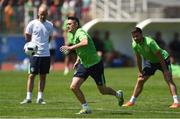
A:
(61, 102)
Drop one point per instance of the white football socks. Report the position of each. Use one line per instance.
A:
(117, 94)
(85, 106)
(175, 98)
(29, 95)
(133, 99)
(40, 95)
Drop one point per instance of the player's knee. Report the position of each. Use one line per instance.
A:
(73, 88)
(31, 76)
(141, 80)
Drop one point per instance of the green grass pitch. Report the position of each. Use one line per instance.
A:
(61, 103)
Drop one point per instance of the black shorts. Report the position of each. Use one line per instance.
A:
(52, 52)
(150, 68)
(39, 65)
(96, 72)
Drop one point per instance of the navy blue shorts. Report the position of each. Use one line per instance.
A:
(150, 68)
(39, 65)
(96, 72)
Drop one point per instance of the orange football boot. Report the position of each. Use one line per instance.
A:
(128, 104)
(174, 105)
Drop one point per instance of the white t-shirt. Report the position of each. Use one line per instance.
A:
(40, 32)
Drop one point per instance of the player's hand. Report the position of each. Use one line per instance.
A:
(65, 49)
(140, 75)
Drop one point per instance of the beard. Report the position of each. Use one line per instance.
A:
(42, 18)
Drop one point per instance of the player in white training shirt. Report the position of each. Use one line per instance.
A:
(38, 31)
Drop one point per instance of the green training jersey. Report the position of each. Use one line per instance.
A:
(148, 49)
(87, 54)
(69, 34)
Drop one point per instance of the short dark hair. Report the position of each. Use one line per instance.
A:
(136, 29)
(74, 19)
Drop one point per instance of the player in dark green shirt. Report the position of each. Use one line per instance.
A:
(154, 58)
(88, 64)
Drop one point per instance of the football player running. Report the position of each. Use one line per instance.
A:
(88, 63)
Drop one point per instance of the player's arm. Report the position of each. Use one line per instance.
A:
(82, 43)
(78, 59)
(156, 49)
(27, 37)
(139, 63)
(166, 72)
(28, 32)
(161, 60)
(77, 62)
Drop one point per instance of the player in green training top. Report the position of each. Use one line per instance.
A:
(88, 63)
(154, 58)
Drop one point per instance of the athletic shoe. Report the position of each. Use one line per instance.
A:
(84, 111)
(120, 97)
(174, 105)
(25, 101)
(128, 104)
(40, 101)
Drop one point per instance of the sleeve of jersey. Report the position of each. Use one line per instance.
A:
(82, 35)
(154, 46)
(29, 28)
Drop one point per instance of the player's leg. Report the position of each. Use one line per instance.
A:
(41, 87)
(105, 90)
(173, 91)
(44, 67)
(30, 85)
(171, 85)
(79, 77)
(97, 73)
(75, 87)
(148, 70)
(137, 91)
(33, 70)
(42, 82)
